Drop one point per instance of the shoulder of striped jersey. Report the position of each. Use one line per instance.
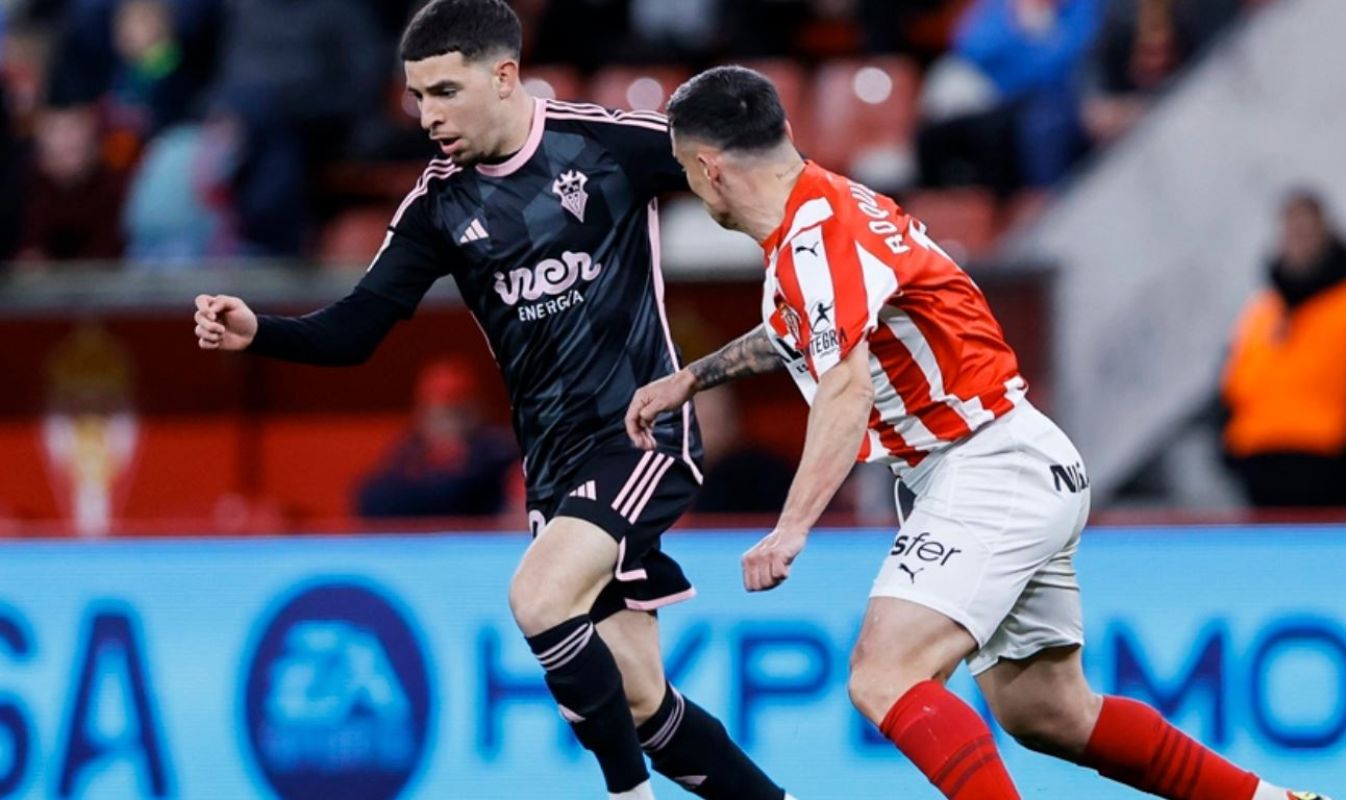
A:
(592, 112)
(438, 169)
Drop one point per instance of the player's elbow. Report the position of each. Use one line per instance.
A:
(856, 388)
(861, 389)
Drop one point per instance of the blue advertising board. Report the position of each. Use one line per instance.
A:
(388, 667)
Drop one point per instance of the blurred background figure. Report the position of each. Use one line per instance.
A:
(72, 197)
(449, 463)
(1285, 383)
(9, 162)
(1001, 109)
(741, 477)
(151, 86)
(1143, 44)
(303, 81)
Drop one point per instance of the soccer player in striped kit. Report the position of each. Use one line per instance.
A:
(545, 215)
(897, 352)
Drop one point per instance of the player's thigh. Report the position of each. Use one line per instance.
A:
(633, 638)
(902, 643)
(561, 574)
(986, 521)
(1043, 700)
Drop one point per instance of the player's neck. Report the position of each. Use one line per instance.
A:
(773, 182)
(520, 124)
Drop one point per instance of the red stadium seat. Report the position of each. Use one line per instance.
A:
(553, 82)
(792, 83)
(861, 106)
(636, 88)
(965, 222)
(354, 236)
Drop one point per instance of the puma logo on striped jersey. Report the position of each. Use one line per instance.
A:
(588, 490)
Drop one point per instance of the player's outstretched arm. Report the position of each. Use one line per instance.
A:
(837, 423)
(224, 322)
(750, 354)
(342, 334)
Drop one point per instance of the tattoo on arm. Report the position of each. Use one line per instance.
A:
(750, 354)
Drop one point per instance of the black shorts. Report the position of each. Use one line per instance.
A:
(635, 496)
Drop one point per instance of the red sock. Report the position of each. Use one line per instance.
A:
(1133, 745)
(949, 743)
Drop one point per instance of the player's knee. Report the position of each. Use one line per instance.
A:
(643, 700)
(534, 612)
(875, 684)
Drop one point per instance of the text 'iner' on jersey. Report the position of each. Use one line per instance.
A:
(556, 253)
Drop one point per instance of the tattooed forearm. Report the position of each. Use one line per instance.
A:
(749, 354)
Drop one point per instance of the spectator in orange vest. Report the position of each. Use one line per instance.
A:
(1285, 383)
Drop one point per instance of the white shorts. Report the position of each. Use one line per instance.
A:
(992, 535)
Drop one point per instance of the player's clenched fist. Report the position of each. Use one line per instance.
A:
(653, 399)
(767, 564)
(223, 322)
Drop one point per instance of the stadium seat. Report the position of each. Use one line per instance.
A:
(792, 83)
(964, 221)
(354, 236)
(638, 88)
(553, 82)
(861, 107)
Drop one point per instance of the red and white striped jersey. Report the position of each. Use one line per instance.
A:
(849, 264)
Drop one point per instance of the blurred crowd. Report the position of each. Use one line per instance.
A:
(164, 134)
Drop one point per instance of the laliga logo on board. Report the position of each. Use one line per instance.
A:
(337, 701)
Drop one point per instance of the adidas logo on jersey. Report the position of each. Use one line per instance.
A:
(475, 232)
(588, 490)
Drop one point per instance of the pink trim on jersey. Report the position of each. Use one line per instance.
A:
(630, 575)
(635, 123)
(596, 113)
(656, 263)
(660, 602)
(434, 170)
(538, 126)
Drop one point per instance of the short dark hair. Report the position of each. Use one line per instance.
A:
(732, 108)
(471, 27)
(1306, 198)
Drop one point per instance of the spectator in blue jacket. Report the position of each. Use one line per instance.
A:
(1008, 94)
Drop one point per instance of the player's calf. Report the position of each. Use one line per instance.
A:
(902, 647)
(690, 747)
(583, 677)
(1132, 744)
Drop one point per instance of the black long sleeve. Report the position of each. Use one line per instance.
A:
(342, 334)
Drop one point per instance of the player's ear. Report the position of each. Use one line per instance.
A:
(708, 166)
(505, 76)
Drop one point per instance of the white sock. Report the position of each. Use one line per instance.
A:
(1266, 791)
(645, 792)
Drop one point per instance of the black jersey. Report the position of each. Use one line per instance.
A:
(556, 253)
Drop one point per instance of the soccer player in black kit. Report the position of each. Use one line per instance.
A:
(544, 213)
